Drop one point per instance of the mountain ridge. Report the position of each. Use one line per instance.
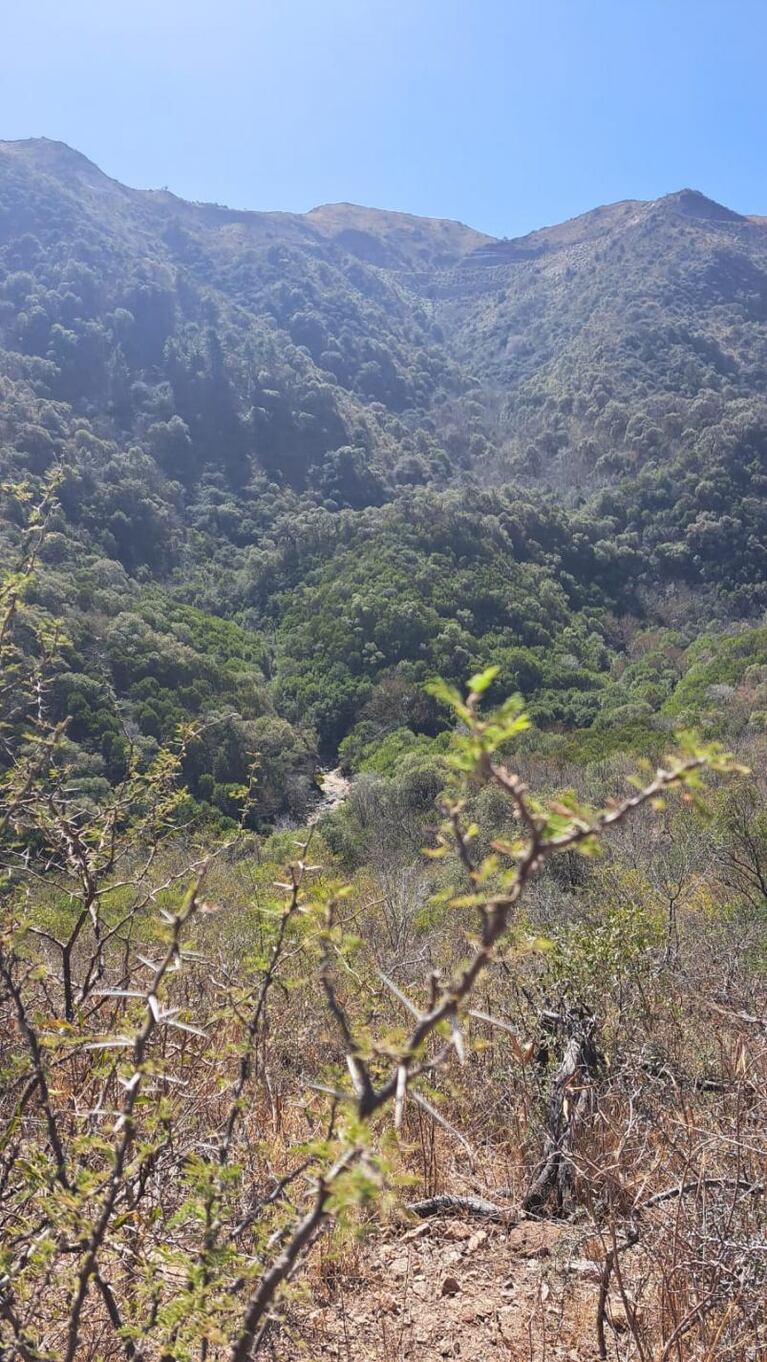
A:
(58, 155)
(63, 161)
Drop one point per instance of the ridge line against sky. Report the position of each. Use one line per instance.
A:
(238, 209)
(503, 115)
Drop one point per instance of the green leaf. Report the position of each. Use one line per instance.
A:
(478, 684)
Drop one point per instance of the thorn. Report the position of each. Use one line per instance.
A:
(399, 1097)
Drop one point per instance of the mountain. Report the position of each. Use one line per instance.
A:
(401, 237)
(619, 320)
(582, 345)
(306, 460)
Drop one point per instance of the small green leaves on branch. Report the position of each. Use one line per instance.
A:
(477, 757)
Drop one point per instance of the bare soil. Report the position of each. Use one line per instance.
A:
(456, 1288)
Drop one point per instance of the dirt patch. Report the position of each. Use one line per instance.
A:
(452, 1289)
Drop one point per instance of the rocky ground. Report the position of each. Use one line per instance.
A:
(334, 789)
(454, 1288)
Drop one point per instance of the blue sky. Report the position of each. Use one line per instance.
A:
(507, 115)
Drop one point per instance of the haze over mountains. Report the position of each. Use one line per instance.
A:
(308, 424)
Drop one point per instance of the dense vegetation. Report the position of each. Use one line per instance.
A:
(264, 476)
(277, 438)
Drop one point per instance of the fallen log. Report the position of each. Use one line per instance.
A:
(459, 1205)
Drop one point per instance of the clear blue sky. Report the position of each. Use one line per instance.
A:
(505, 114)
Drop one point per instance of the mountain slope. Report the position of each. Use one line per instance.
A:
(582, 345)
(321, 333)
(600, 336)
(303, 424)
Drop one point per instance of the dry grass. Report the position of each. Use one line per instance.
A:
(668, 1156)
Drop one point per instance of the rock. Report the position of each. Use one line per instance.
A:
(450, 1287)
(334, 787)
(586, 1268)
(618, 1317)
(477, 1239)
(400, 1267)
(417, 1232)
(481, 1307)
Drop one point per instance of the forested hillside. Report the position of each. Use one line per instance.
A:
(274, 487)
(378, 447)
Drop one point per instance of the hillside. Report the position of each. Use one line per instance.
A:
(601, 335)
(313, 425)
(582, 342)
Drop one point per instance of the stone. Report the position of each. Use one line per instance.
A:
(417, 1232)
(586, 1268)
(618, 1317)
